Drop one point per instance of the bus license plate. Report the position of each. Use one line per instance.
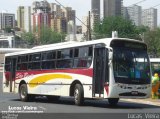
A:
(134, 92)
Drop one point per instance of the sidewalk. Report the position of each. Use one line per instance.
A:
(148, 101)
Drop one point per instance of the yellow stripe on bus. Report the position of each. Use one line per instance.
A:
(43, 79)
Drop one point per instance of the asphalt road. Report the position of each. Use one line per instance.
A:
(66, 109)
(66, 105)
(94, 108)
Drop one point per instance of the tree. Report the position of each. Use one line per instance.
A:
(45, 36)
(8, 29)
(48, 36)
(125, 28)
(29, 37)
(152, 39)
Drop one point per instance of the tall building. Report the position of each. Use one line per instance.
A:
(71, 31)
(149, 18)
(59, 25)
(94, 19)
(112, 8)
(133, 13)
(7, 20)
(95, 12)
(95, 7)
(69, 14)
(20, 17)
(27, 19)
(24, 18)
(41, 15)
(58, 18)
(79, 29)
(85, 25)
(56, 10)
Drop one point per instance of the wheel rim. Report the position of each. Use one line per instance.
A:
(23, 92)
(76, 94)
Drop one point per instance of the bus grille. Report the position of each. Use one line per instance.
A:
(133, 94)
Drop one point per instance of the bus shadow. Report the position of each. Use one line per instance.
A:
(95, 103)
(120, 105)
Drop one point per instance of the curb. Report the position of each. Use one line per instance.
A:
(144, 101)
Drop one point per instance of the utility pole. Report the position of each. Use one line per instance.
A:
(89, 25)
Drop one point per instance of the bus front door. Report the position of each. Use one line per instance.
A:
(100, 71)
(12, 74)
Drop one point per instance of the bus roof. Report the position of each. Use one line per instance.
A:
(69, 45)
(11, 50)
(154, 59)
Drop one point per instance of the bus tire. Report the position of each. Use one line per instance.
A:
(113, 101)
(78, 95)
(23, 93)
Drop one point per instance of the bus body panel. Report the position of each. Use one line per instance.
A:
(130, 91)
(58, 84)
(155, 65)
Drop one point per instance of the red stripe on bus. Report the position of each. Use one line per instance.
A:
(86, 72)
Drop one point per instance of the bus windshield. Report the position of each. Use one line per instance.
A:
(131, 66)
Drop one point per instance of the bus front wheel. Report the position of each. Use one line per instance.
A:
(78, 94)
(113, 101)
(23, 93)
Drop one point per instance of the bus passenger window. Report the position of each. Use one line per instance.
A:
(76, 52)
(82, 63)
(35, 57)
(64, 64)
(48, 65)
(49, 55)
(90, 52)
(7, 67)
(83, 57)
(85, 62)
(22, 63)
(58, 54)
(7, 64)
(34, 65)
(22, 66)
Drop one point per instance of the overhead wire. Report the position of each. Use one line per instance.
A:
(75, 16)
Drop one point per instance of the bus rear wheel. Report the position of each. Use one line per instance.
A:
(113, 101)
(78, 95)
(23, 93)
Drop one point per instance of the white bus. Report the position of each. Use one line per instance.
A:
(155, 65)
(101, 69)
(7, 41)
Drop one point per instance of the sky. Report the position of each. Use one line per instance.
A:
(81, 6)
